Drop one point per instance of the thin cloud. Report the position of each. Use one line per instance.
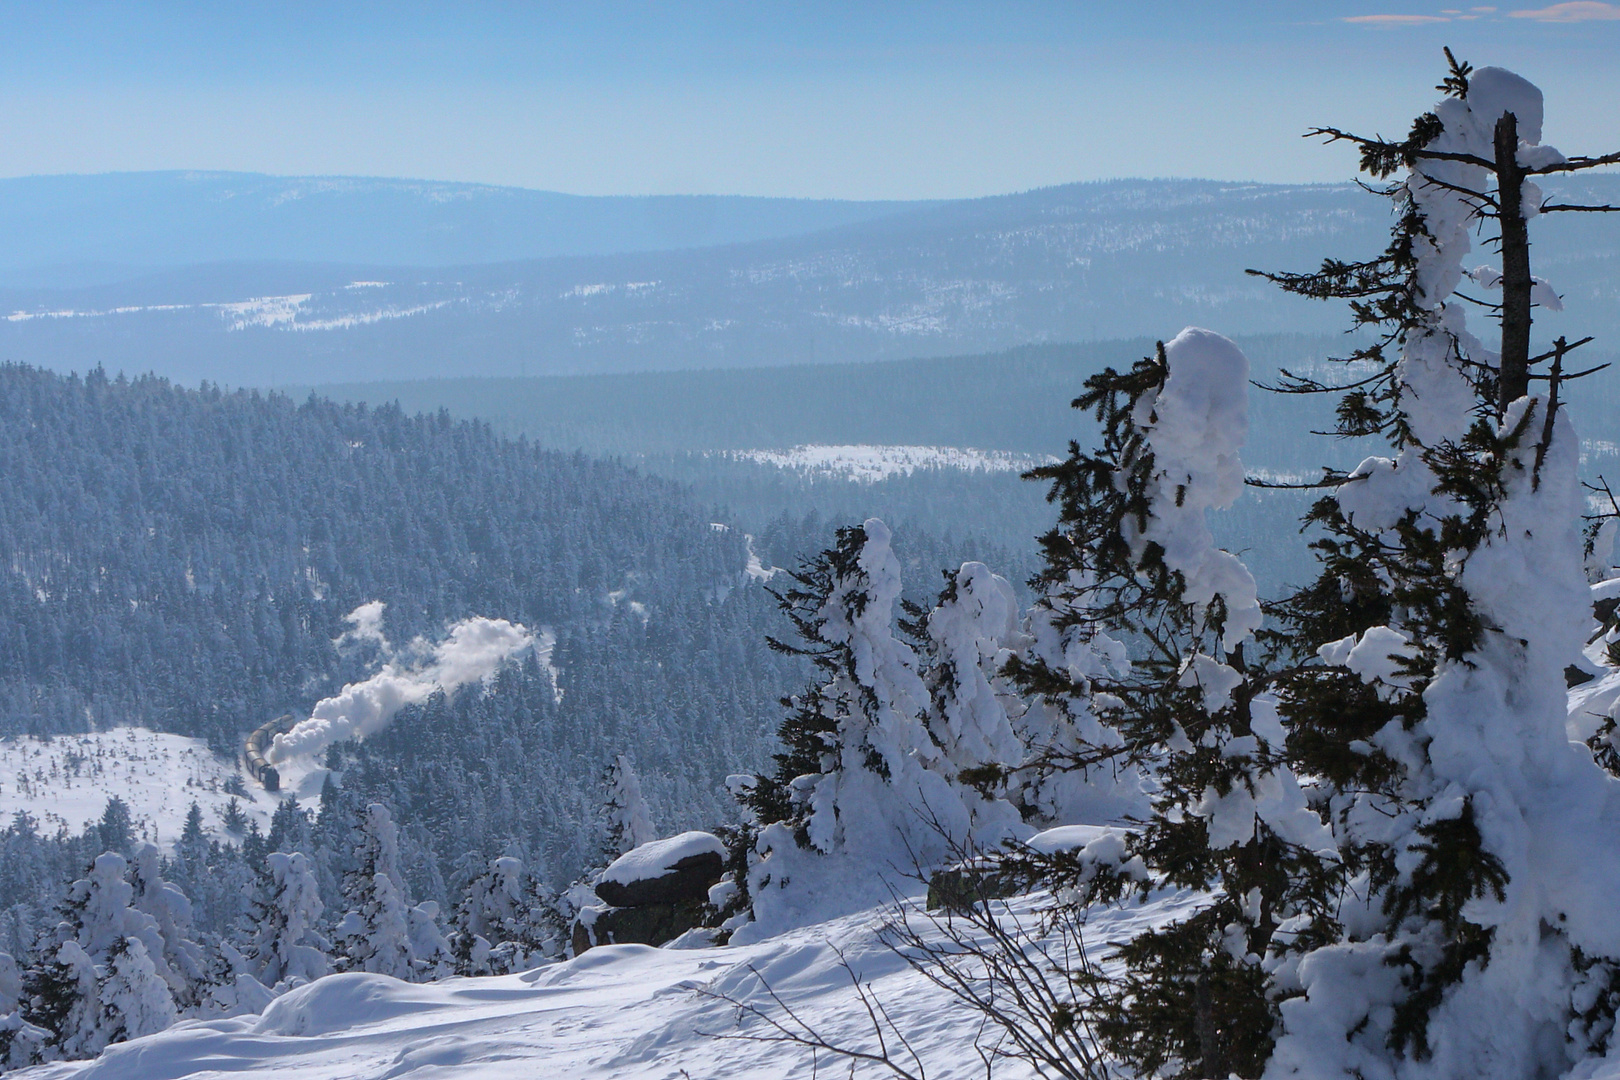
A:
(1573, 11)
(1404, 20)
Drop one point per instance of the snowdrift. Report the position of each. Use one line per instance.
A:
(621, 1011)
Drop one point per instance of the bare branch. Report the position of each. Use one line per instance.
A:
(796, 1031)
(1466, 192)
(1576, 164)
(1337, 135)
(1573, 375)
(1466, 159)
(1297, 385)
(1563, 350)
(1551, 208)
(1312, 485)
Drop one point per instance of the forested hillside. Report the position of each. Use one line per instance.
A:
(186, 560)
(702, 427)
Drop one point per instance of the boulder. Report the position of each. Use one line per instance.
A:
(647, 924)
(959, 889)
(672, 871)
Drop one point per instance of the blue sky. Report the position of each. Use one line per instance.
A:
(859, 100)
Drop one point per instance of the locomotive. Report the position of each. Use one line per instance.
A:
(258, 744)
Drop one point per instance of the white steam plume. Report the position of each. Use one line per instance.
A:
(365, 624)
(474, 649)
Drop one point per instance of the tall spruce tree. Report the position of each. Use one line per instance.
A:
(22, 1043)
(287, 948)
(181, 963)
(96, 979)
(856, 735)
(507, 921)
(1132, 562)
(374, 934)
(629, 820)
(860, 776)
(966, 639)
(1426, 677)
(382, 931)
(1431, 901)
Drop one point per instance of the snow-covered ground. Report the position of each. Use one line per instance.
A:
(871, 463)
(66, 781)
(616, 1013)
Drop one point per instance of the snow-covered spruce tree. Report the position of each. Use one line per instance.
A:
(1132, 560)
(1477, 936)
(135, 1000)
(967, 638)
(507, 921)
(374, 933)
(235, 822)
(116, 829)
(96, 980)
(184, 968)
(380, 931)
(431, 956)
(22, 1043)
(60, 996)
(629, 821)
(287, 948)
(857, 773)
(1074, 767)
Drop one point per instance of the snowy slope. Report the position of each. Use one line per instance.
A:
(619, 1011)
(66, 781)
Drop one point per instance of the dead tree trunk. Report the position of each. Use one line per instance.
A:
(1514, 381)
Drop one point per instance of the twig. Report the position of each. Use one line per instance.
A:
(796, 1031)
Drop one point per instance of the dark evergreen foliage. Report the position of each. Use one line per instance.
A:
(184, 559)
(1193, 999)
(810, 732)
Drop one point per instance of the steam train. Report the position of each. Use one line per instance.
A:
(258, 745)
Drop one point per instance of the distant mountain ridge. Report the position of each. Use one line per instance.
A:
(1080, 262)
(75, 230)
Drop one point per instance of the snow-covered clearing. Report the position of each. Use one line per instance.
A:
(289, 312)
(871, 463)
(618, 1012)
(65, 781)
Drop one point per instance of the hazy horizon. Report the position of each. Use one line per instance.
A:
(937, 101)
(1348, 178)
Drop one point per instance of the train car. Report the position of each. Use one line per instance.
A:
(258, 745)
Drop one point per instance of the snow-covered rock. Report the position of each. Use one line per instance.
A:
(664, 871)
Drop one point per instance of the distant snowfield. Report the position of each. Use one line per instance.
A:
(271, 312)
(871, 463)
(620, 1012)
(67, 779)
